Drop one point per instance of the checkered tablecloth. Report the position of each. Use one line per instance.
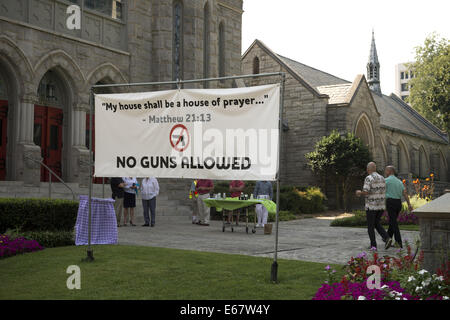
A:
(103, 222)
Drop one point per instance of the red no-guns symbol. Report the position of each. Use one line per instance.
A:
(179, 138)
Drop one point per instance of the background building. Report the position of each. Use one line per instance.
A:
(402, 77)
(317, 102)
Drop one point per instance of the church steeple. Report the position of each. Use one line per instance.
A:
(373, 68)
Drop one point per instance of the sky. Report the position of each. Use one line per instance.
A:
(334, 36)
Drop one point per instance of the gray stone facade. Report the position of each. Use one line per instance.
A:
(137, 47)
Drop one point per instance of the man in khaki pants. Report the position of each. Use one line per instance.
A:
(117, 185)
(203, 187)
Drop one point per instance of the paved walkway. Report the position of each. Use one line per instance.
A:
(307, 239)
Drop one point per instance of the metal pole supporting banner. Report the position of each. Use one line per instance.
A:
(274, 269)
(90, 252)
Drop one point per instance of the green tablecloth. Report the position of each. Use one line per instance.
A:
(235, 203)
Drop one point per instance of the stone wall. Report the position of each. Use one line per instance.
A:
(304, 113)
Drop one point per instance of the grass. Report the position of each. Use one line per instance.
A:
(132, 272)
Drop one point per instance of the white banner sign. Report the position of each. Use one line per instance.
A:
(220, 134)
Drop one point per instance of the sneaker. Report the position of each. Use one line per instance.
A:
(388, 243)
(145, 225)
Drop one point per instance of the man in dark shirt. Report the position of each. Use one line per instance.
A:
(117, 185)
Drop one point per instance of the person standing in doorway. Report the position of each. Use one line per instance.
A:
(117, 185)
(263, 190)
(129, 199)
(203, 187)
(374, 190)
(149, 190)
(394, 191)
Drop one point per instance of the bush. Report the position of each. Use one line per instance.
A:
(50, 239)
(358, 220)
(292, 198)
(416, 202)
(282, 216)
(302, 200)
(37, 214)
(11, 246)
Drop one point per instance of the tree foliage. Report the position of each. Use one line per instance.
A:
(430, 87)
(341, 159)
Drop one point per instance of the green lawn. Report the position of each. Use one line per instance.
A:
(131, 272)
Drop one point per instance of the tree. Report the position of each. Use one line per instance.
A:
(430, 86)
(341, 159)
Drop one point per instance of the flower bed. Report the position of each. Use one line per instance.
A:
(359, 219)
(10, 247)
(400, 279)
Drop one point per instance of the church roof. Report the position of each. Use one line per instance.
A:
(338, 93)
(312, 75)
(395, 114)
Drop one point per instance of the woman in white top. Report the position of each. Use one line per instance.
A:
(149, 190)
(129, 199)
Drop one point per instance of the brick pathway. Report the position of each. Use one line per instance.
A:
(306, 239)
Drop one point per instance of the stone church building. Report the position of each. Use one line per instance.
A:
(316, 102)
(46, 70)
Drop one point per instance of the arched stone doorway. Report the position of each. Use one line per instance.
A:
(363, 130)
(52, 115)
(9, 117)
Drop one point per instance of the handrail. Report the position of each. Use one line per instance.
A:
(51, 172)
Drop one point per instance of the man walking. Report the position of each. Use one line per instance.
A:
(374, 190)
(203, 187)
(117, 185)
(394, 191)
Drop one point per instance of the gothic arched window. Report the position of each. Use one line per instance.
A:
(256, 65)
(221, 49)
(177, 40)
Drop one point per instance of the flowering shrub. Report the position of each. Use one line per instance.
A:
(426, 285)
(444, 271)
(10, 247)
(424, 190)
(347, 290)
(400, 279)
(404, 217)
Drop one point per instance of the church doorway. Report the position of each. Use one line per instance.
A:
(48, 132)
(48, 128)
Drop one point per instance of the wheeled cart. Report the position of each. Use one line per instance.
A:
(232, 219)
